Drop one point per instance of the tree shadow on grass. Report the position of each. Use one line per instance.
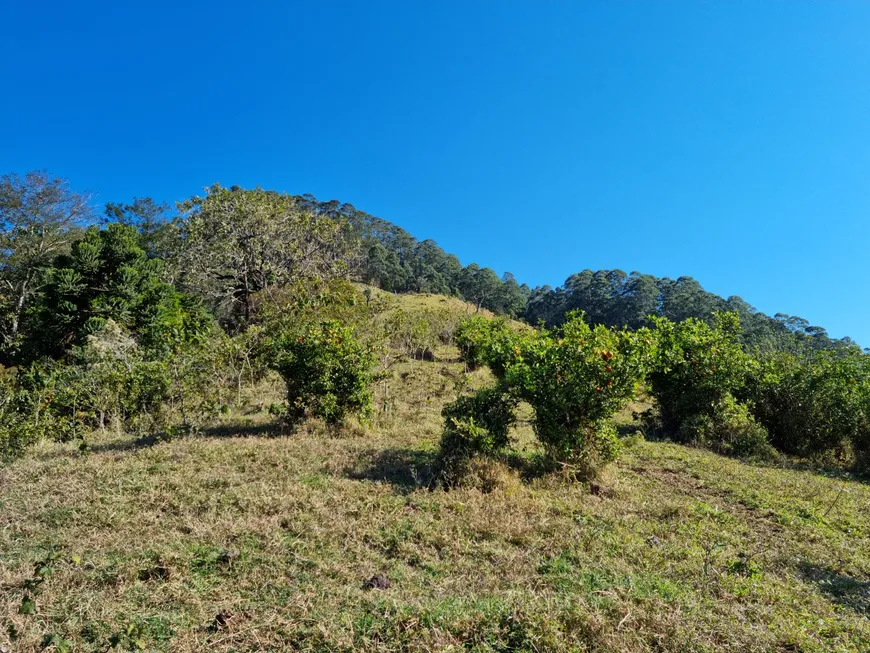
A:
(403, 468)
(839, 588)
(130, 444)
(410, 469)
(270, 430)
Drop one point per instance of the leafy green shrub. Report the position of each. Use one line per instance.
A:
(730, 429)
(444, 323)
(697, 373)
(328, 373)
(108, 382)
(17, 431)
(478, 423)
(490, 342)
(471, 336)
(44, 401)
(576, 378)
(697, 366)
(817, 406)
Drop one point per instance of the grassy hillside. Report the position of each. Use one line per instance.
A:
(240, 540)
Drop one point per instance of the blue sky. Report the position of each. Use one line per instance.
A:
(728, 141)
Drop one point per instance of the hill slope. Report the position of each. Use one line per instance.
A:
(236, 541)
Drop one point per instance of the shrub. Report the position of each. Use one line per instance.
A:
(817, 406)
(478, 423)
(17, 430)
(576, 378)
(697, 372)
(109, 382)
(697, 366)
(490, 342)
(327, 372)
(471, 336)
(728, 429)
(861, 439)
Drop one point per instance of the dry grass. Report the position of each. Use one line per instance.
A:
(238, 541)
(425, 302)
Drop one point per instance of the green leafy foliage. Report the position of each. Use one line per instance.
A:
(107, 276)
(816, 406)
(117, 327)
(575, 378)
(698, 371)
(107, 383)
(697, 366)
(39, 217)
(484, 341)
(18, 429)
(728, 428)
(328, 373)
(479, 423)
(414, 334)
(238, 243)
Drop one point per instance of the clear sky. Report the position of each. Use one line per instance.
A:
(728, 141)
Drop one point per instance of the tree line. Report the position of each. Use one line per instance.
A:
(395, 261)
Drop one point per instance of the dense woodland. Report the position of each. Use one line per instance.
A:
(147, 316)
(395, 261)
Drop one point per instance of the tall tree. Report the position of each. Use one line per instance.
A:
(640, 299)
(39, 216)
(685, 298)
(239, 242)
(513, 297)
(480, 286)
(158, 234)
(107, 276)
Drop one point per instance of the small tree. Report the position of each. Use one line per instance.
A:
(238, 243)
(485, 341)
(39, 217)
(107, 276)
(479, 423)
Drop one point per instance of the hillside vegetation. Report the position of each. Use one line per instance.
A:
(218, 431)
(240, 539)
